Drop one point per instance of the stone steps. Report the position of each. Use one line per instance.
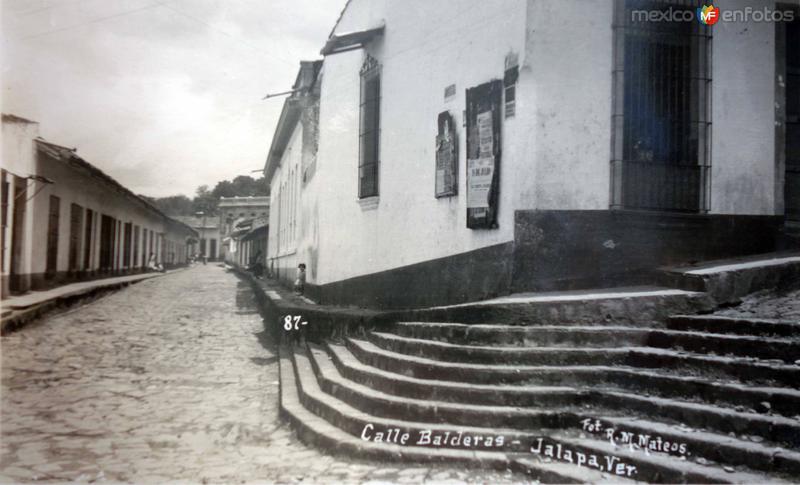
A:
(714, 446)
(531, 382)
(653, 467)
(787, 350)
(698, 415)
(746, 370)
(782, 400)
(730, 280)
(629, 305)
(317, 431)
(733, 325)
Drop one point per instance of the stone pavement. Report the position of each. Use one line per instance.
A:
(779, 305)
(172, 379)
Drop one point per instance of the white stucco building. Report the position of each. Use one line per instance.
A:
(237, 210)
(456, 150)
(65, 220)
(208, 233)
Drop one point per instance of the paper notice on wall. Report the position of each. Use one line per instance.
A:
(439, 180)
(479, 182)
(445, 165)
(485, 134)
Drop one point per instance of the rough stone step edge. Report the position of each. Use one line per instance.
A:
(409, 327)
(315, 431)
(764, 392)
(327, 371)
(729, 286)
(737, 319)
(643, 349)
(785, 374)
(657, 464)
(343, 358)
(650, 308)
(326, 322)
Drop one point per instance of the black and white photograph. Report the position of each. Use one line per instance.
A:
(391, 242)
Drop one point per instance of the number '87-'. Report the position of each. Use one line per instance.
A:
(293, 322)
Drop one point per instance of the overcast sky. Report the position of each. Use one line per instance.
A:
(163, 95)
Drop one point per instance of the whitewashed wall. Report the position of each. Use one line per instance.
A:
(426, 47)
(556, 149)
(19, 158)
(73, 186)
(743, 115)
(565, 101)
(285, 204)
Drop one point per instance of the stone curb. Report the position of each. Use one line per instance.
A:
(20, 318)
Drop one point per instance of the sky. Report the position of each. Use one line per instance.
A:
(163, 95)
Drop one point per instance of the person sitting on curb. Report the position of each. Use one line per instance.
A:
(154, 265)
(257, 264)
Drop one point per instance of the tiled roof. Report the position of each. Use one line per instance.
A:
(17, 119)
(68, 156)
(211, 222)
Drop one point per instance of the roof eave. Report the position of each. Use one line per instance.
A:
(350, 40)
(290, 116)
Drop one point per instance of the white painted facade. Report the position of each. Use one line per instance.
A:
(19, 161)
(287, 241)
(77, 188)
(555, 149)
(232, 211)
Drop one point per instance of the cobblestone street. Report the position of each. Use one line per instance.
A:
(171, 379)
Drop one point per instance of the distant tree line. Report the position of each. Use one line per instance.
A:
(206, 200)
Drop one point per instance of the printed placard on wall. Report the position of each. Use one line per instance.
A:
(446, 156)
(483, 154)
(479, 187)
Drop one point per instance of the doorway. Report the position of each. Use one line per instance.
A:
(15, 283)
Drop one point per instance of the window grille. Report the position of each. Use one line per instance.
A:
(661, 119)
(510, 90)
(369, 132)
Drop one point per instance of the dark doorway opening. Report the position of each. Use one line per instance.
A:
(15, 283)
(107, 227)
(75, 234)
(52, 237)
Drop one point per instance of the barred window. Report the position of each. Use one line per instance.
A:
(662, 80)
(369, 130)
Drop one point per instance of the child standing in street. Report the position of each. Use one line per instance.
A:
(300, 282)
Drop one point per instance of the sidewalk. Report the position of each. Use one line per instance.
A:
(699, 288)
(323, 321)
(19, 310)
(609, 305)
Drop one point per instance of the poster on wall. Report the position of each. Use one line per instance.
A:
(446, 156)
(480, 182)
(483, 154)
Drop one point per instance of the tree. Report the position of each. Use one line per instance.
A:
(241, 186)
(174, 205)
(204, 201)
